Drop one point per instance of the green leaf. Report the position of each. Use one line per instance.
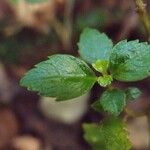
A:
(105, 80)
(94, 46)
(61, 76)
(94, 136)
(101, 66)
(130, 61)
(132, 93)
(113, 101)
(111, 135)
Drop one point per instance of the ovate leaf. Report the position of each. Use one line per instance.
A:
(113, 101)
(130, 61)
(94, 45)
(110, 135)
(61, 76)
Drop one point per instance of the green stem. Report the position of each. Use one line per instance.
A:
(143, 15)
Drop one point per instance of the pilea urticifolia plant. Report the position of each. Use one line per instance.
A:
(65, 77)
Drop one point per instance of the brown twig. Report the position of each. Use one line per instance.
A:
(130, 113)
(68, 20)
(64, 29)
(143, 15)
(61, 32)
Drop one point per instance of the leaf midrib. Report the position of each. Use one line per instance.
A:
(67, 78)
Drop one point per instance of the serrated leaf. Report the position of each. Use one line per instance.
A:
(113, 101)
(61, 76)
(132, 93)
(110, 135)
(94, 45)
(130, 61)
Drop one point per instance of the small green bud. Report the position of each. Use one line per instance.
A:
(105, 80)
(101, 66)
